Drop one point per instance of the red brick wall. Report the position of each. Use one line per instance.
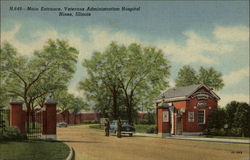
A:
(81, 117)
(49, 119)
(77, 118)
(17, 117)
(163, 127)
(189, 106)
(194, 126)
(180, 104)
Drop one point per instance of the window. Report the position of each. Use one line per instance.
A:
(201, 116)
(165, 116)
(190, 116)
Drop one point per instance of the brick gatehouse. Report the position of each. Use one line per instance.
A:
(185, 110)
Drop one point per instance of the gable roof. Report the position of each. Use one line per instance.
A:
(182, 93)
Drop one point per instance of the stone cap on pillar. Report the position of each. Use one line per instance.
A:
(17, 102)
(50, 100)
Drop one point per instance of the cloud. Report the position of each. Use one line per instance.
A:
(196, 49)
(227, 98)
(236, 76)
(236, 33)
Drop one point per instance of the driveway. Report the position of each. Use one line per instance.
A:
(91, 144)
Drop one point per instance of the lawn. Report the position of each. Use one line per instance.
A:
(33, 150)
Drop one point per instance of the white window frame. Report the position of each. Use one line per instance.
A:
(189, 117)
(204, 117)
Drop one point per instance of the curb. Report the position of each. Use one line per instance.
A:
(71, 155)
(211, 140)
(198, 139)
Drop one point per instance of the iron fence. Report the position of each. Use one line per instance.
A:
(34, 124)
(4, 119)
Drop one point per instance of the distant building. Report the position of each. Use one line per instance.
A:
(185, 110)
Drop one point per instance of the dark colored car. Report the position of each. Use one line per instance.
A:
(62, 124)
(126, 128)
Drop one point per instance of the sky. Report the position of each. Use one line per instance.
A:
(196, 33)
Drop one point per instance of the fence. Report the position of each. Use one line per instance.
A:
(4, 119)
(34, 124)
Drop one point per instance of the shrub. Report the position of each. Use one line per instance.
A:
(142, 121)
(142, 128)
(91, 122)
(11, 133)
(151, 129)
(235, 132)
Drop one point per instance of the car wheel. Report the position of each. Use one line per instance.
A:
(130, 134)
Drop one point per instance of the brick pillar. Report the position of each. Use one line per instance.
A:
(49, 120)
(163, 124)
(17, 116)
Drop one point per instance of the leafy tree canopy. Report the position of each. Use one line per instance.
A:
(208, 76)
(125, 75)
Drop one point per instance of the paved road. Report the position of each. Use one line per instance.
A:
(91, 144)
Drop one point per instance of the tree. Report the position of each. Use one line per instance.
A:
(64, 100)
(235, 115)
(126, 76)
(231, 109)
(217, 119)
(145, 73)
(211, 78)
(77, 104)
(46, 71)
(186, 76)
(102, 86)
(242, 118)
(7, 55)
(208, 76)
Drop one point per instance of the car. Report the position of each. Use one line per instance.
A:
(126, 127)
(62, 124)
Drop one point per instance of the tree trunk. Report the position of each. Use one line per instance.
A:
(63, 114)
(33, 120)
(115, 115)
(28, 117)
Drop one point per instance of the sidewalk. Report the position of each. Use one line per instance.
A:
(240, 141)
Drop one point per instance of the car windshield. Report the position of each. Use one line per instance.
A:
(124, 122)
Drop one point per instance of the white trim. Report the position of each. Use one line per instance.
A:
(172, 122)
(202, 85)
(49, 136)
(175, 99)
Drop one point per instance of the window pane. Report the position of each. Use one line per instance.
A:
(201, 116)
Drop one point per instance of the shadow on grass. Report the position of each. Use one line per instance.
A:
(70, 141)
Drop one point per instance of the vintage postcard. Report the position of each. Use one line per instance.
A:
(124, 80)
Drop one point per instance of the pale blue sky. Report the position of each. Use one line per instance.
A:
(198, 33)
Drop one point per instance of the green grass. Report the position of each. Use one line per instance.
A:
(225, 137)
(33, 150)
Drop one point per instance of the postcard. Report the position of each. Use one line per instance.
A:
(124, 80)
